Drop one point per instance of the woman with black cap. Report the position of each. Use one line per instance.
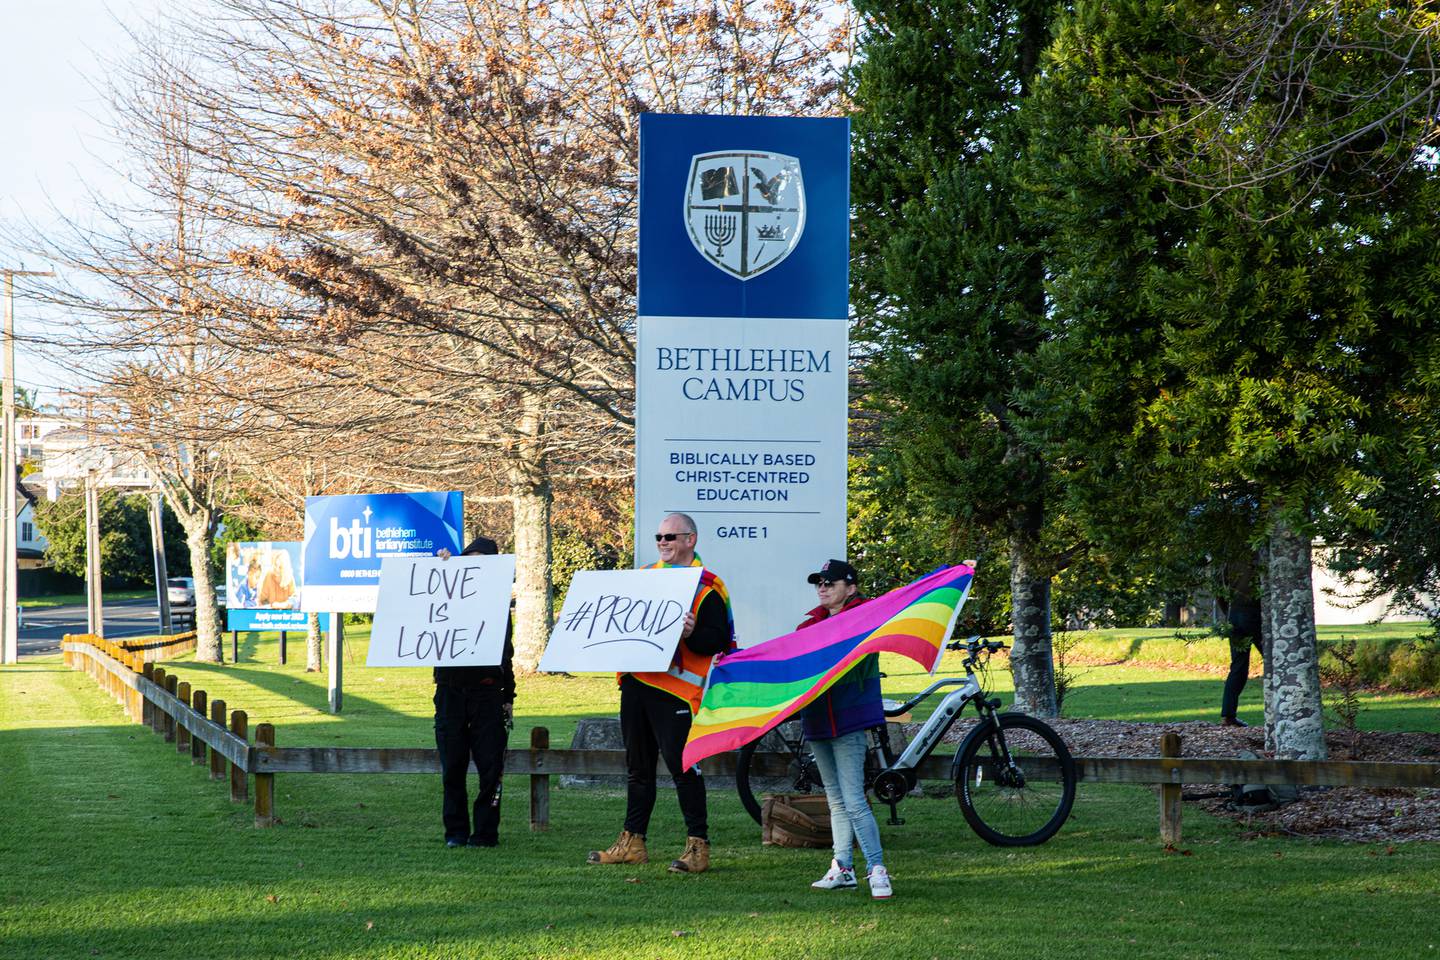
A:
(835, 725)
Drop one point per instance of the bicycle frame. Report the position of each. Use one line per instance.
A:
(940, 721)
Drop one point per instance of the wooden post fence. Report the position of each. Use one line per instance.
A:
(175, 711)
(182, 736)
(539, 783)
(1170, 794)
(265, 782)
(197, 744)
(240, 726)
(217, 759)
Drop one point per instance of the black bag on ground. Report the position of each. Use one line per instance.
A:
(795, 820)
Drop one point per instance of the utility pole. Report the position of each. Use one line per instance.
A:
(9, 565)
(94, 601)
(157, 543)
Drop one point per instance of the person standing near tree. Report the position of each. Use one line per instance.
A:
(835, 725)
(1242, 612)
(474, 710)
(656, 710)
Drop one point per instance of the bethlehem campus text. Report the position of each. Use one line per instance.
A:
(726, 360)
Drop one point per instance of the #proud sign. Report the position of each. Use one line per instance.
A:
(621, 620)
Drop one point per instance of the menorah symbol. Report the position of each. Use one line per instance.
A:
(720, 230)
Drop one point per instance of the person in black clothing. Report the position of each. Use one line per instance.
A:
(656, 710)
(473, 712)
(1243, 612)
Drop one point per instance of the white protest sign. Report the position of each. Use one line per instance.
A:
(621, 620)
(441, 613)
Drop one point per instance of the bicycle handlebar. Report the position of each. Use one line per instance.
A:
(974, 645)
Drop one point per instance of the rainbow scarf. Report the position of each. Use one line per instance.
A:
(751, 692)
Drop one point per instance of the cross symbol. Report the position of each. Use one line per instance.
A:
(367, 516)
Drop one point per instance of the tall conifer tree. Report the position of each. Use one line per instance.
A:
(949, 280)
(1270, 344)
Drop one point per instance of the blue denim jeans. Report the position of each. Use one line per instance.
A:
(842, 767)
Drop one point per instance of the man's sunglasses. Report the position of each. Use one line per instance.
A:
(669, 537)
(825, 584)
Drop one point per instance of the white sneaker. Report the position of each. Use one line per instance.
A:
(837, 878)
(879, 881)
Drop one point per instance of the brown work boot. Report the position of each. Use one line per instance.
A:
(627, 848)
(695, 859)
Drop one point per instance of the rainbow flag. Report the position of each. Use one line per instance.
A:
(751, 691)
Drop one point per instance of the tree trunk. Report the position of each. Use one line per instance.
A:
(1031, 656)
(1267, 677)
(533, 498)
(314, 643)
(1294, 718)
(200, 537)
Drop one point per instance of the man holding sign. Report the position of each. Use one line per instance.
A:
(473, 710)
(656, 709)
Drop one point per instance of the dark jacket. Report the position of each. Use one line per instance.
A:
(500, 677)
(853, 702)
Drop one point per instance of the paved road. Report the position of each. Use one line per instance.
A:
(123, 618)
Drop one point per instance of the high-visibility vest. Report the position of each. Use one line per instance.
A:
(688, 670)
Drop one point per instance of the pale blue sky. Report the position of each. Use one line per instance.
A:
(52, 138)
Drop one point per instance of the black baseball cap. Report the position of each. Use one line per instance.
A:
(834, 570)
(483, 546)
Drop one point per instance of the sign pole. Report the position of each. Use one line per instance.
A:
(336, 667)
(9, 565)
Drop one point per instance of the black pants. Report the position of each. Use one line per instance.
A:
(470, 724)
(1239, 673)
(1244, 615)
(655, 724)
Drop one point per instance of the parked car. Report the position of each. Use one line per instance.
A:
(181, 591)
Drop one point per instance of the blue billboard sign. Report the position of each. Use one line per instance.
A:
(744, 217)
(262, 586)
(346, 537)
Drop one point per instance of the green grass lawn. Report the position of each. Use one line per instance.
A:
(113, 846)
(76, 599)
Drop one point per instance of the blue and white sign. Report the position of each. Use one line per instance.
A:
(742, 351)
(787, 176)
(262, 586)
(346, 537)
(261, 620)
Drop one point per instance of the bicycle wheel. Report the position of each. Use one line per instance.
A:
(801, 774)
(1021, 803)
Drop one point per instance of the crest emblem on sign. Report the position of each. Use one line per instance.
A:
(745, 209)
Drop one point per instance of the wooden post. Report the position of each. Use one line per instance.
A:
(217, 760)
(234, 646)
(157, 713)
(147, 709)
(172, 687)
(197, 746)
(283, 638)
(239, 785)
(1170, 795)
(182, 735)
(133, 699)
(539, 785)
(265, 782)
